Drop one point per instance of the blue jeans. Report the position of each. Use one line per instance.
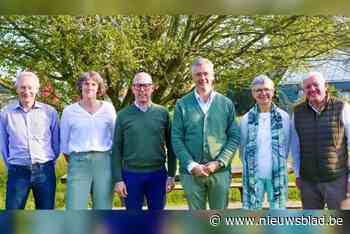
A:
(151, 185)
(40, 178)
(89, 172)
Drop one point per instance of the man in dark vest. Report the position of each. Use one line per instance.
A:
(320, 139)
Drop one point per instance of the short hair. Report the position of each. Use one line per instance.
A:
(27, 73)
(144, 74)
(261, 80)
(202, 61)
(95, 76)
(311, 74)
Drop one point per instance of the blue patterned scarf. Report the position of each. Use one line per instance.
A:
(279, 162)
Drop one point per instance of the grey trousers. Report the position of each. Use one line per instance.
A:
(316, 195)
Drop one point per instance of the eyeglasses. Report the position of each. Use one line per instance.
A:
(202, 74)
(145, 86)
(266, 90)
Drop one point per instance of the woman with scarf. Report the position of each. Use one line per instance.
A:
(264, 149)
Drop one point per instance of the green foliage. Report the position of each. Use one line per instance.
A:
(5, 97)
(333, 91)
(243, 100)
(59, 48)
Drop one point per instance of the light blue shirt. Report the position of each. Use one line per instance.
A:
(204, 105)
(142, 108)
(29, 137)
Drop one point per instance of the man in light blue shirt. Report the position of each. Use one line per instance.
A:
(29, 143)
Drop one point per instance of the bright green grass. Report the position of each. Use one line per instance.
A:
(174, 198)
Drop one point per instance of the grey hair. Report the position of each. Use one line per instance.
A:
(142, 74)
(262, 79)
(311, 74)
(201, 61)
(27, 73)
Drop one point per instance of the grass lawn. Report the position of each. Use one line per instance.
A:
(174, 198)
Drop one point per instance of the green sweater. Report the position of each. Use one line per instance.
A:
(140, 139)
(199, 137)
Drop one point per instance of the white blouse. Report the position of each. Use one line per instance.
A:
(83, 132)
(264, 147)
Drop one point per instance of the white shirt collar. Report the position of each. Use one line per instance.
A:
(142, 108)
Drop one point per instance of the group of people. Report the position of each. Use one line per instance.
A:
(135, 153)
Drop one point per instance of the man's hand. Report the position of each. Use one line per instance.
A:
(200, 170)
(348, 189)
(120, 188)
(212, 166)
(170, 184)
(298, 183)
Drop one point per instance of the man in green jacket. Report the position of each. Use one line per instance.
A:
(205, 137)
(142, 135)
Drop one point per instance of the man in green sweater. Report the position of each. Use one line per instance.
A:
(205, 137)
(142, 135)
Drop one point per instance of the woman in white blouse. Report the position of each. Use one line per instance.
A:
(264, 149)
(87, 128)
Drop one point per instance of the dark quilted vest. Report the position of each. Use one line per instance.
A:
(323, 147)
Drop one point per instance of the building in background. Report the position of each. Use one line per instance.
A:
(335, 69)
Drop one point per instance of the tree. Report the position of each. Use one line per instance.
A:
(5, 97)
(59, 48)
